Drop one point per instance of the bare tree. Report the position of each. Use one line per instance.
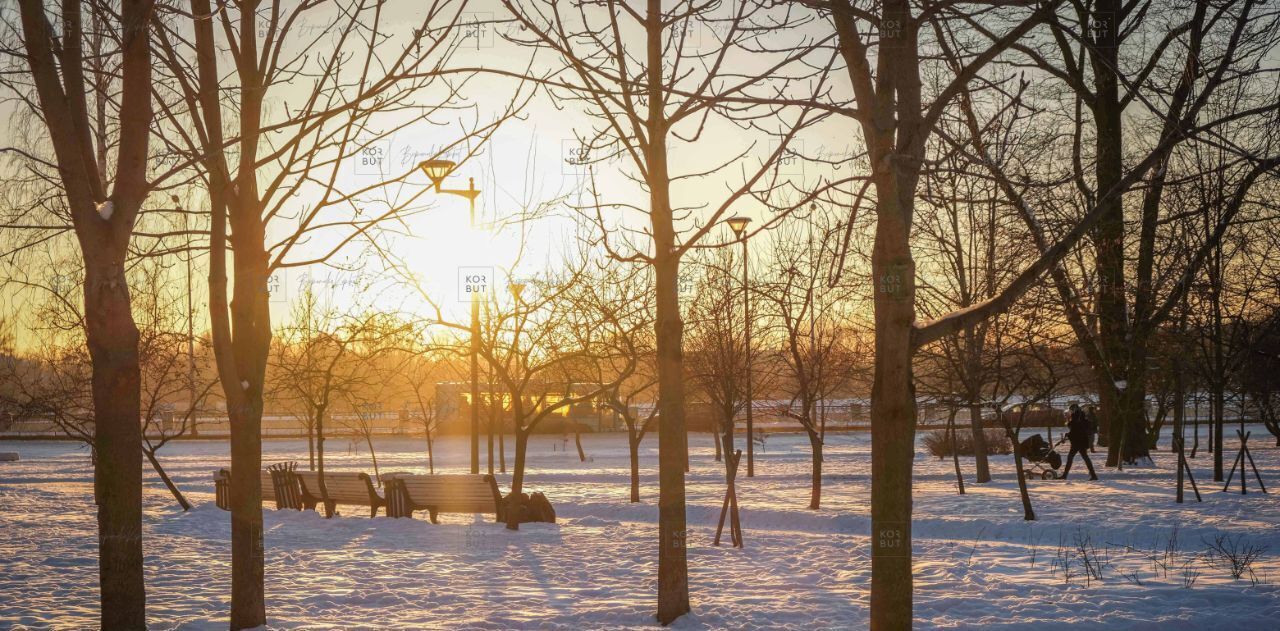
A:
(421, 373)
(888, 49)
(811, 315)
(51, 379)
(628, 297)
(280, 150)
(376, 339)
(316, 362)
(717, 357)
(1147, 87)
(893, 92)
(885, 56)
(1025, 347)
(970, 246)
(653, 92)
(1233, 286)
(97, 111)
(169, 373)
(544, 352)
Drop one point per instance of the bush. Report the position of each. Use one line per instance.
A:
(939, 444)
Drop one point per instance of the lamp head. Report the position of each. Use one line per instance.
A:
(738, 224)
(437, 170)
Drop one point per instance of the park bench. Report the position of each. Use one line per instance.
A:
(455, 493)
(339, 488)
(289, 498)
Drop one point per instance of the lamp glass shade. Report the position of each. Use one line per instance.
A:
(738, 224)
(437, 170)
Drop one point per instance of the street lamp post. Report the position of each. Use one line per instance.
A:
(437, 171)
(739, 226)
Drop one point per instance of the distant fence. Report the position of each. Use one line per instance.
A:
(280, 426)
(840, 417)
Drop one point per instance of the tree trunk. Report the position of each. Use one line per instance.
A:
(673, 442)
(311, 445)
(1028, 514)
(1195, 422)
(431, 460)
(726, 445)
(1105, 410)
(248, 604)
(111, 334)
(240, 327)
(251, 316)
(716, 439)
(1218, 413)
(1129, 436)
(168, 483)
(502, 447)
(955, 451)
(822, 432)
(112, 338)
(475, 381)
(1108, 234)
(634, 447)
(815, 493)
(368, 439)
(517, 480)
(1179, 401)
(893, 412)
(1179, 421)
(983, 470)
(673, 568)
(892, 449)
(1240, 411)
(320, 440)
(577, 440)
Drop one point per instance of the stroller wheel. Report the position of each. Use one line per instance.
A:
(1048, 475)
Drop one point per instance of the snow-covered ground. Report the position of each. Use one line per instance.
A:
(978, 564)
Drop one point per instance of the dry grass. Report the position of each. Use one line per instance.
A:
(939, 444)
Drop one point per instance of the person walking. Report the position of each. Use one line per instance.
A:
(1078, 434)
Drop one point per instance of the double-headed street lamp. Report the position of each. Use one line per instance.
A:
(437, 171)
(739, 226)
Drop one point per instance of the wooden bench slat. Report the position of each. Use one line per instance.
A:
(268, 488)
(445, 493)
(343, 487)
(451, 493)
(338, 488)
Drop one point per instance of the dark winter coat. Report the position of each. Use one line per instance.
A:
(1079, 430)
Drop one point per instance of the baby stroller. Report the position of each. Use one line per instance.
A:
(1043, 459)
